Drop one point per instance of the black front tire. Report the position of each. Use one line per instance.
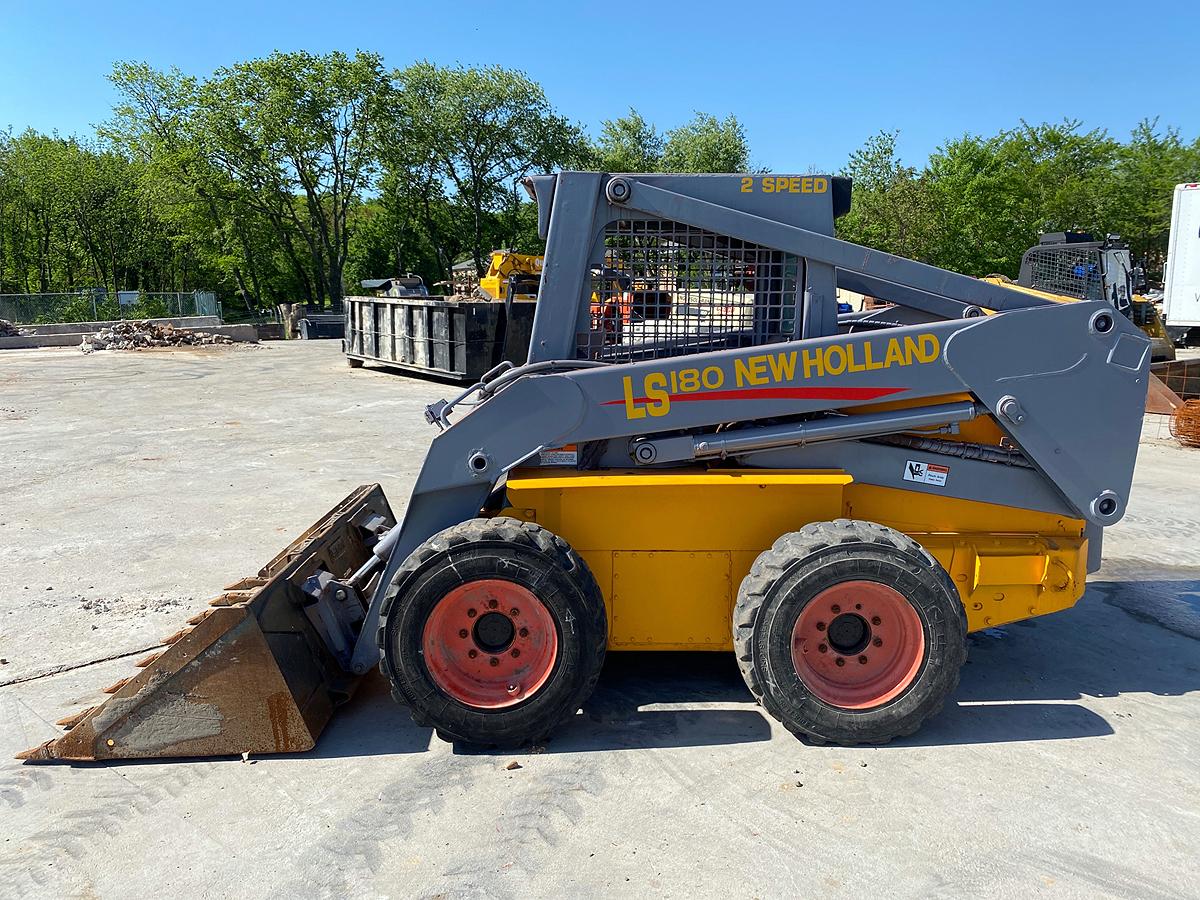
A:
(487, 549)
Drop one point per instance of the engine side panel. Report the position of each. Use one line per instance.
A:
(670, 548)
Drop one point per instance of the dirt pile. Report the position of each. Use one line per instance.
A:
(136, 335)
(8, 329)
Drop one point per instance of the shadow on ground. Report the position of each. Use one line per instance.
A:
(695, 687)
(372, 724)
(1124, 637)
(1017, 685)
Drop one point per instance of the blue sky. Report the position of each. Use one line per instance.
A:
(810, 82)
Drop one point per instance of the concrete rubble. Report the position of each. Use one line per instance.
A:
(8, 329)
(136, 335)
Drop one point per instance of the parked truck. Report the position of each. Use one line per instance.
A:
(1181, 282)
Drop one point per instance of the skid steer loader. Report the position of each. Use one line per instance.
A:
(1071, 264)
(837, 500)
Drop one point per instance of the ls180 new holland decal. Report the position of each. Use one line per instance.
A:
(777, 375)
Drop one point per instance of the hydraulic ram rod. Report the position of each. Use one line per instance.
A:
(834, 428)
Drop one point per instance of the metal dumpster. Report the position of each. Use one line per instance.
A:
(1182, 376)
(452, 339)
(314, 327)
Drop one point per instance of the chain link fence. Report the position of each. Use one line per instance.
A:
(105, 306)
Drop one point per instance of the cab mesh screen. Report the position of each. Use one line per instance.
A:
(1071, 272)
(667, 289)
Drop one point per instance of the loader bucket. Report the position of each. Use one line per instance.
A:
(260, 671)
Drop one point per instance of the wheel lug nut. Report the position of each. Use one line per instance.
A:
(472, 653)
(462, 632)
(493, 603)
(515, 653)
(878, 642)
(820, 626)
(862, 660)
(524, 632)
(858, 606)
(875, 620)
(471, 613)
(841, 660)
(835, 608)
(512, 688)
(494, 661)
(821, 648)
(514, 612)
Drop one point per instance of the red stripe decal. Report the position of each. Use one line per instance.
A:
(777, 393)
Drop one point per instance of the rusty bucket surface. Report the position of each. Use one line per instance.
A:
(258, 671)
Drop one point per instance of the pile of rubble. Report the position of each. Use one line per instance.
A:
(8, 329)
(136, 335)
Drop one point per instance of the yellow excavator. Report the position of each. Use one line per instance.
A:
(507, 270)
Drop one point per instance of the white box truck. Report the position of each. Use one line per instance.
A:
(1181, 289)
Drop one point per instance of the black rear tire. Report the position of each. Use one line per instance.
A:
(490, 550)
(795, 571)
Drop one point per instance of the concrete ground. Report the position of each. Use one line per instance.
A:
(134, 485)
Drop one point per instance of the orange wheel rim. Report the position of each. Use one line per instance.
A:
(858, 644)
(490, 643)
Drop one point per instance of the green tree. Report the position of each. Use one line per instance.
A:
(288, 140)
(992, 197)
(38, 225)
(417, 201)
(1055, 174)
(974, 227)
(74, 215)
(298, 131)
(478, 129)
(629, 144)
(99, 194)
(706, 144)
(982, 201)
(1136, 198)
(891, 208)
(403, 230)
(9, 199)
(157, 123)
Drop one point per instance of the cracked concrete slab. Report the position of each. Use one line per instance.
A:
(136, 485)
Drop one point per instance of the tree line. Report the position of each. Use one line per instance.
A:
(292, 177)
(980, 202)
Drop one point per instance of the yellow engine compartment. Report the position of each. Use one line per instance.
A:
(669, 548)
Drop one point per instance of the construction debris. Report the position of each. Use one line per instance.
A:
(1185, 424)
(8, 329)
(136, 335)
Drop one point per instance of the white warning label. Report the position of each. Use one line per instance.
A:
(926, 473)
(559, 456)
